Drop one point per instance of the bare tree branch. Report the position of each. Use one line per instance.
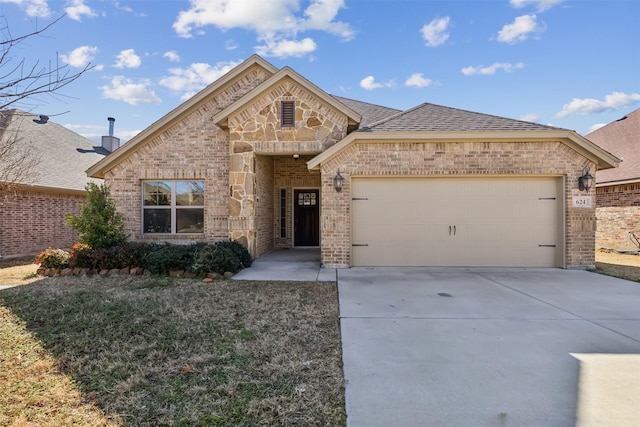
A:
(20, 81)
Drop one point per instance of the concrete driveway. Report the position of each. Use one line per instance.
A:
(489, 347)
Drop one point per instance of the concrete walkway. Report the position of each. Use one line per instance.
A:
(298, 264)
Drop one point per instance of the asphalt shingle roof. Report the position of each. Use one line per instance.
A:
(64, 156)
(622, 139)
(370, 112)
(436, 118)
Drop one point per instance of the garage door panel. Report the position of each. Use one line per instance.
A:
(455, 221)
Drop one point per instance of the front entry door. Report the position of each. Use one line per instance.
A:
(306, 218)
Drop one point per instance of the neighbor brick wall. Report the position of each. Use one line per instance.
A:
(614, 225)
(618, 213)
(454, 159)
(618, 195)
(190, 148)
(33, 221)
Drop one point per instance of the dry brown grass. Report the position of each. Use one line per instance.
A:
(625, 266)
(18, 272)
(158, 351)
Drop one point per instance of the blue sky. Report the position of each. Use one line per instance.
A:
(568, 63)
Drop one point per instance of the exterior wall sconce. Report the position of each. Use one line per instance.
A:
(338, 181)
(585, 182)
(296, 156)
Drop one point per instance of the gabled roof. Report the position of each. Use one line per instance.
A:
(437, 118)
(222, 117)
(100, 168)
(61, 155)
(429, 122)
(622, 138)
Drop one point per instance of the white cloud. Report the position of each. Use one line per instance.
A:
(369, 83)
(230, 45)
(80, 56)
(540, 5)
(586, 106)
(287, 48)
(76, 9)
(520, 29)
(435, 32)
(194, 78)
(127, 59)
(277, 23)
(418, 80)
(172, 56)
(33, 8)
(491, 69)
(531, 117)
(595, 127)
(124, 89)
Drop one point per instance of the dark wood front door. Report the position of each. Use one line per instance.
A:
(306, 215)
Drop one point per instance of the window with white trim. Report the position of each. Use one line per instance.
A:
(173, 207)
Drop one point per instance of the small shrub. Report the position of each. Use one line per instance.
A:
(53, 258)
(215, 259)
(132, 254)
(240, 251)
(80, 256)
(161, 259)
(104, 258)
(99, 224)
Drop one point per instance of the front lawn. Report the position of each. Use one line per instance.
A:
(155, 351)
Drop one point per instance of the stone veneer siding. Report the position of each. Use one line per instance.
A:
(618, 213)
(454, 159)
(190, 148)
(256, 131)
(32, 221)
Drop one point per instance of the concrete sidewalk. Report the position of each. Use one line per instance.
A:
(489, 347)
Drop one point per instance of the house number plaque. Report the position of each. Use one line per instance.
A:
(581, 201)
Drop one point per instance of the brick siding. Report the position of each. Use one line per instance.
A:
(618, 213)
(190, 148)
(454, 159)
(33, 221)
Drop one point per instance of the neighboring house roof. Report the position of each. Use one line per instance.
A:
(622, 138)
(437, 118)
(62, 155)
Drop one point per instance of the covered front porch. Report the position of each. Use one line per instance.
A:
(280, 197)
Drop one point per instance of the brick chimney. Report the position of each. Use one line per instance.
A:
(110, 142)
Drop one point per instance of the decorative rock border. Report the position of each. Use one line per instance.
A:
(136, 271)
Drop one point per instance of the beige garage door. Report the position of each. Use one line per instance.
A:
(504, 222)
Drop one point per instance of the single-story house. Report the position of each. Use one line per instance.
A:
(33, 204)
(265, 157)
(618, 190)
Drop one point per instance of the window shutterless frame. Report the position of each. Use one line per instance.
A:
(172, 207)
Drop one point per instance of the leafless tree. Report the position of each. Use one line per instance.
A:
(18, 164)
(22, 81)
